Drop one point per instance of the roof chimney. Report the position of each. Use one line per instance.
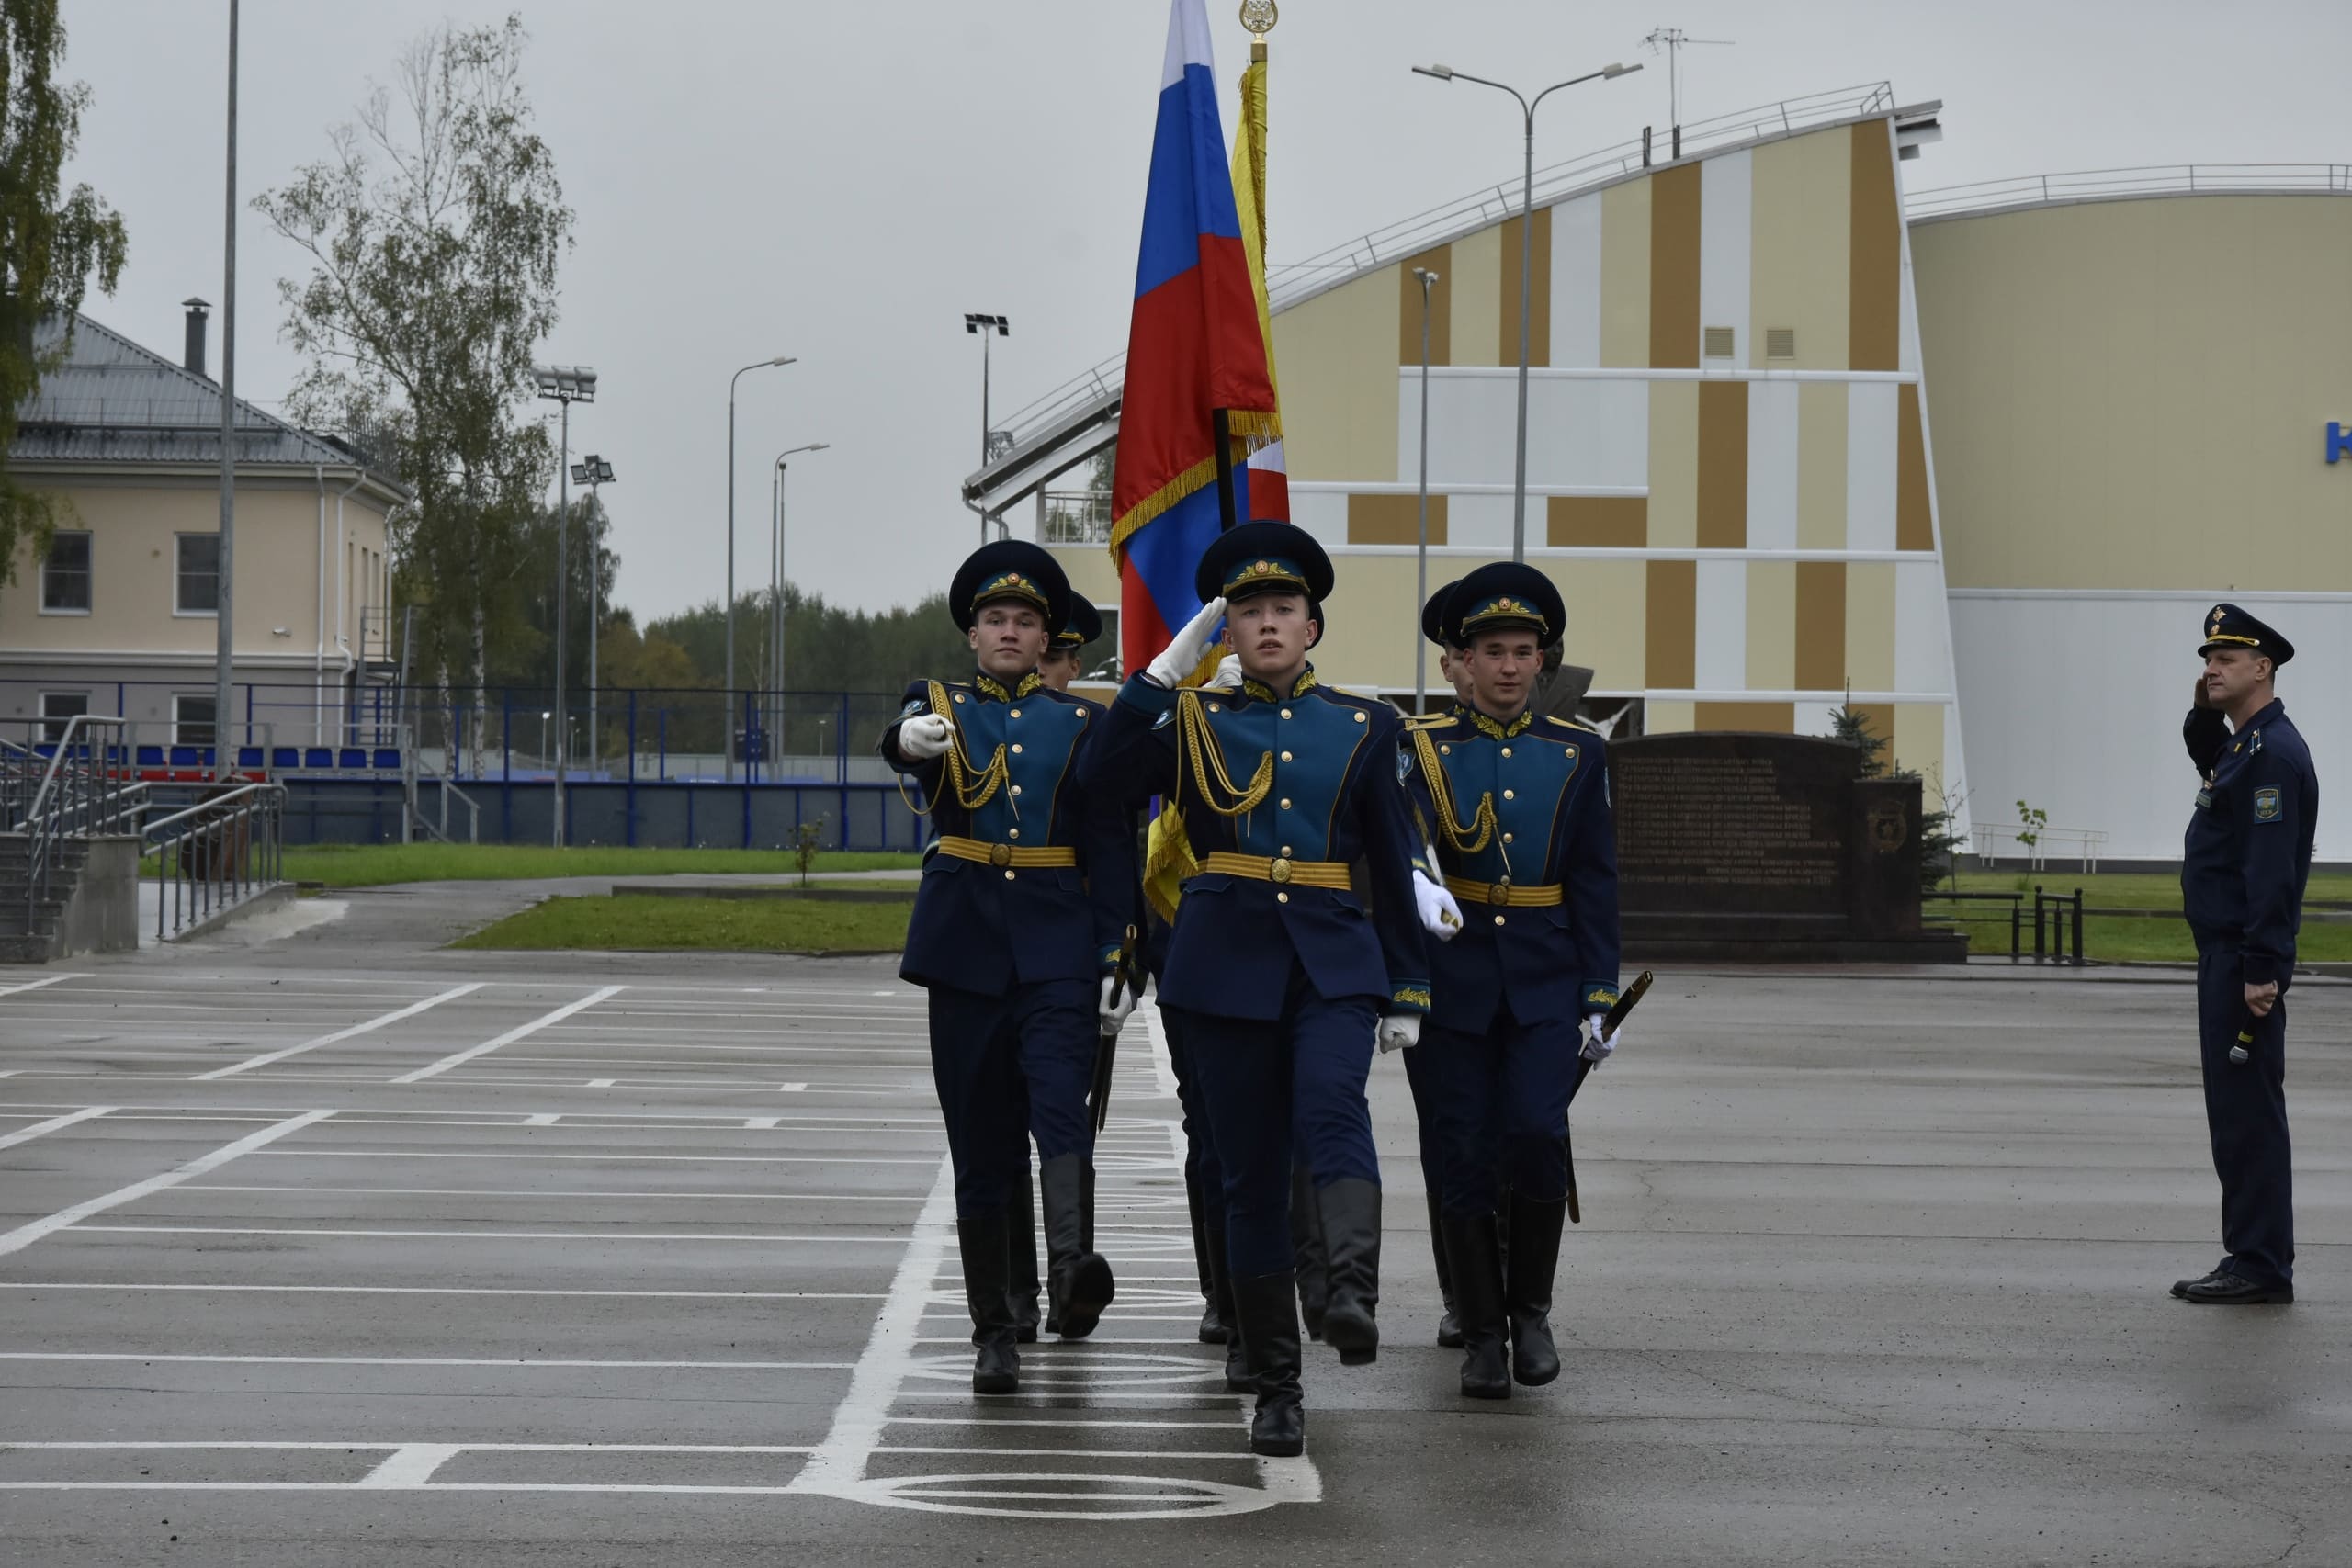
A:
(192, 356)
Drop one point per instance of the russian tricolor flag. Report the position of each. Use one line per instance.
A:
(1194, 346)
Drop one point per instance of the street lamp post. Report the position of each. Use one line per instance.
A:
(566, 385)
(726, 735)
(594, 472)
(986, 327)
(775, 576)
(1526, 259)
(1421, 577)
(545, 715)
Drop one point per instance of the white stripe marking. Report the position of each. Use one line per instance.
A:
(379, 1021)
(523, 1032)
(544, 1119)
(41, 1129)
(412, 1465)
(1163, 1069)
(24, 1235)
(838, 1462)
(419, 1362)
(37, 985)
(457, 1235)
(137, 1285)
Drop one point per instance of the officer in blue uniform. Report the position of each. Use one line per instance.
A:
(1025, 898)
(1283, 981)
(2247, 856)
(1516, 806)
(1065, 658)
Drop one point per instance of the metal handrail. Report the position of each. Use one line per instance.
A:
(2122, 184)
(86, 800)
(219, 861)
(1290, 282)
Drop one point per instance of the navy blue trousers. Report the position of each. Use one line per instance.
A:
(1201, 1168)
(1500, 1105)
(2246, 1111)
(1421, 1074)
(1272, 1086)
(990, 1053)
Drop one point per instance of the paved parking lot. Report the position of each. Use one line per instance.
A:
(339, 1249)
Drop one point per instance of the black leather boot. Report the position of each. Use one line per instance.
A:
(981, 1236)
(1020, 1220)
(1478, 1298)
(1269, 1336)
(1075, 1276)
(1306, 1251)
(1236, 1363)
(1212, 1330)
(1351, 1209)
(1535, 1257)
(1449, 1328)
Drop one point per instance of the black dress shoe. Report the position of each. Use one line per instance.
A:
(2180, 1288)
(2230, 1290)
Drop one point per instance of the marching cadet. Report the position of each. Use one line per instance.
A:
(1025, 899)
(1064, 659)
(2243, 869)
(1281, 981)
(1517, 803)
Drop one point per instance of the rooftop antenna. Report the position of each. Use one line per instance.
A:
(1673, 41)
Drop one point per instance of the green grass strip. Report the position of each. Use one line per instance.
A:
(378, 865)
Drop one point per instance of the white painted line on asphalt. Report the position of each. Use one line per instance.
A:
(524, 1362)
(598, 1487)
(35, 985)
(613, 1158)
(412, 1465)
(41, 1129)
(465, 1236)
(201, 1444)
(761, 1123)
(378, 1022)
(142, 1285)
(24, 1235)
(838, 1466)
(524, 1031)
(544, 1193)
(542, 1118)
(1018, 1421)
(607, 1083)
(1163, 1068)
(505, 1116)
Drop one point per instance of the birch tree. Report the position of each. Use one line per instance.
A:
(434, 228)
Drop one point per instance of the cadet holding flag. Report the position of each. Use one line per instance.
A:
(1517, 803)
(1280, 975)
(1026, 897)
(2243, 869)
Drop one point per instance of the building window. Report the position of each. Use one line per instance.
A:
(196, 583)
(57, 707)
(192, 720)
(65, 575)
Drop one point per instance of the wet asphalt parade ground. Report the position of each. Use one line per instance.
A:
(322, 1246)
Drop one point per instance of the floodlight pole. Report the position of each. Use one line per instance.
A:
(224, 631)
(594, 472)
(1526, 260)
(566, 384)
(726, 735)
(775, 572)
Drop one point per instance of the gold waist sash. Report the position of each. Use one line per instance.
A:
(1280, 869)
(984, 853)
(1541, 896)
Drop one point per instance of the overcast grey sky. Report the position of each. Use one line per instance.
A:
(843, 181)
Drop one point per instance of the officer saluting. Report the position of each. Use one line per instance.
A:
(1026, 895)
(1280, 977)
(2243, 869)
(1516, 805)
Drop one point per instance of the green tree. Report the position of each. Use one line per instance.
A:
(49, 246)
(434, 230)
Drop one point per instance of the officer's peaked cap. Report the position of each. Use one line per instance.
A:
(2226, 626)
(1010, 570)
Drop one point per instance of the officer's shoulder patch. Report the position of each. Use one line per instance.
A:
(1166, 715)
(1404, 763)
(2265, 805)
(914, 706)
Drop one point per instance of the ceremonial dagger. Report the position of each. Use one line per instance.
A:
(1610, 1023)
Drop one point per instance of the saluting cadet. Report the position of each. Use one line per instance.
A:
(2242, 868)
(1026, 895)
(1280, 977)
(1516, 805)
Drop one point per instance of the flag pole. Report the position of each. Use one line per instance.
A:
(1222, 433)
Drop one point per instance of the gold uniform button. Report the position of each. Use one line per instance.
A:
(1285, 852)
(1008, 876)
(1285, 712)
(959, 697)
(1016, 714)
(1361, 720)
(1286, 756)
(1507, 838)
(1214, 708)
(1282, 897)
(1507, 794)
(1016, 747)
(1016, 789)
(1446, 750)
(1506, 750)
(1012, 832)
(1285, 802)
(1498, 920)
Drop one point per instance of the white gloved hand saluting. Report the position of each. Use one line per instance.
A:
(1441, 916)
(1228, 675)
(924, 737)
(1191, 645)
(1398, 1030)
(1595, 1049)
(1117, 1000)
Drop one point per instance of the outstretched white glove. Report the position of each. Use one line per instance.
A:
(924, 737)
(1228, 675)
(1116, 1001)
(1191, 645)
(1398, 1030)
(1441, 916)
(1595, 1049)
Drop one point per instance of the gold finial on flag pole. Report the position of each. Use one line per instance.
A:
(1258, 16)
